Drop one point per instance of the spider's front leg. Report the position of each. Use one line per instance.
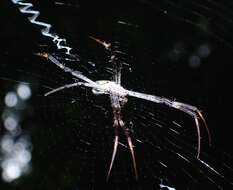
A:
(69, 86)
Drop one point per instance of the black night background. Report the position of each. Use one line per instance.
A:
(178, 49)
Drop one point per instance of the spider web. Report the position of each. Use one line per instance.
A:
(175, 49)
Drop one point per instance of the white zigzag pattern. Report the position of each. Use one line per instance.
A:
(27, 9)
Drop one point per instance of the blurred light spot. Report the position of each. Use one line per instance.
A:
(11, 170)
(7, 144)
(11, 99)
(16, 132)
(194, 61)
(26, 142)
(16, 157)
(24, 91)
(19, 146)
(10, 123)
(177, 51)
(204, 51)
(6, 113)
(24, 157)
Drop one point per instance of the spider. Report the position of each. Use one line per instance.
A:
(118, 97)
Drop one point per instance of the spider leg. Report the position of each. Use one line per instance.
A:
(186, 108)
(116, 142)
(133, 156)
(68, 86)
(76, 74)
(194, 112)
(120, 123)
(198, 137)
(197, 115)
(205, 124)
(130, 144)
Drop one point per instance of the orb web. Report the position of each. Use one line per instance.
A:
(167, 48)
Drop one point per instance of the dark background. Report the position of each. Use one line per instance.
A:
(71, 131)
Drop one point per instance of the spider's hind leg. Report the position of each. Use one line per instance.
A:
(130, 144)
(197, 115)
(116, 142)
(201, 117)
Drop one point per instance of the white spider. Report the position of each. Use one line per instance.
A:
(117, 94)
(113, 88)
